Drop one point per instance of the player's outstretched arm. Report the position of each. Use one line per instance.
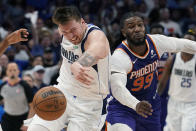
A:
(96, 47)
(165, 76)
(172, 44)
(14, 37)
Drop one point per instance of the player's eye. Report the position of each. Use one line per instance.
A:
(130, 26)
(140, 25)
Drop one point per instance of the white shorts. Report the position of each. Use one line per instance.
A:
(181, 116)
(86, 114)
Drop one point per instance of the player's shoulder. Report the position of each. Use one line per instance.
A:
(156, 36)
(159, 39)
(95, 31)
(119, 53)
(120, 61)
(120, 57)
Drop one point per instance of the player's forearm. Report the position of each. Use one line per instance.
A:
(3, 46)
(87, 60)
(187, 46)
(120, 92)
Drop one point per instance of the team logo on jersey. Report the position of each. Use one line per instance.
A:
(69, 55)
(75, 47)
(134, 61)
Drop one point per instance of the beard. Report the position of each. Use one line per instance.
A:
(136, 42)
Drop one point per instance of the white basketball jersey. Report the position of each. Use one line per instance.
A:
(183, 80)
(100, 72)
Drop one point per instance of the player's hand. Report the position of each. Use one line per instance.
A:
(17, 36)
(23, 128)
(81, 73)
(144, 108)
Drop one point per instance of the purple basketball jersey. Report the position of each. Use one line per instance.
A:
(142, 83)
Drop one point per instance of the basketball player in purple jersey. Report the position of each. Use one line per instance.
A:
(135, 105)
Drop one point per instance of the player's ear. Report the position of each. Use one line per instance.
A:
(60, 31)
(82, 21)
(123, 32)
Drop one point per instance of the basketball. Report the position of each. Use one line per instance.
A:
(49, 103)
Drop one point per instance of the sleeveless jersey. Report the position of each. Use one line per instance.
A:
(100, 72)
(183, 80)
(142, 79)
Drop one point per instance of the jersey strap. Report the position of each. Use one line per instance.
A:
(85, 38)
(173, 60)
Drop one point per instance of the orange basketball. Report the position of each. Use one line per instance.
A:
(49, 103)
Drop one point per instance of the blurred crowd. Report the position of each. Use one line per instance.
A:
(39, 59)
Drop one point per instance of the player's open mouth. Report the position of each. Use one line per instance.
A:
(74, 40)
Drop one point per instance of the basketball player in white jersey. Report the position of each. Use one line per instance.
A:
(84, 74)
(182, 90)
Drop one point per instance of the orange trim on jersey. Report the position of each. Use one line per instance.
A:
(142, 57)
(128, 55)
(122, 50)
(154, 46)
(106, 124)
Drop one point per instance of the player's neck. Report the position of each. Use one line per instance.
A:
(186, 56)
(85, 29)
(139, 49)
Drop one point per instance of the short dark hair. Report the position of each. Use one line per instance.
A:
(126, 16)
(157, 25)
(65, 14)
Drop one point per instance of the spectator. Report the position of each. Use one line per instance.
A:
(48, 57)
(45, 41)
(36, 60)
(56, 46)
(38, 75)
(170, 26)
(3, 63)
(29, 79)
